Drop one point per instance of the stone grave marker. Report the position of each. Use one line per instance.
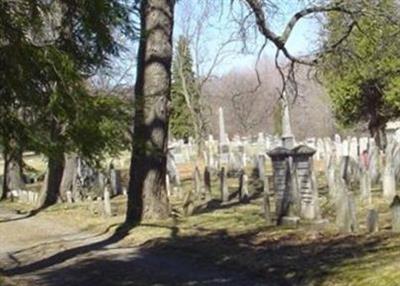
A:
(395, 209)
(303, 164)
(372, 221)
(224, 186)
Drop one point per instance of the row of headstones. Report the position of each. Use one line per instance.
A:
(346, 214)
(372, 167)
(89, 183)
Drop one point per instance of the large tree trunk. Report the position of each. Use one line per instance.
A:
(4, 188)
(147, 197)
(69, 175)
(51, 185)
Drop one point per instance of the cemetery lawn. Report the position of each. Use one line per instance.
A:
(235, 238)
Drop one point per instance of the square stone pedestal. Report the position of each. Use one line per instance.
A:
(290, 220)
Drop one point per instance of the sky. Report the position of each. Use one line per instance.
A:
(217, 25)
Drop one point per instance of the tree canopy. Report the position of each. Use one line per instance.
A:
(362, 75)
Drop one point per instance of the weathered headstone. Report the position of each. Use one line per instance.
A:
(303, 164)
(207, 183)
(115, 181)
(395, 208)
(243, 187)
(372, 221)
(285, 198)
(261, 166)
(224, 186)
(346, 218)
(389, 178)
(107, 201)
(196, 181)
(266, 202)
(168, 185)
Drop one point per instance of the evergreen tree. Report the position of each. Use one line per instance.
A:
(48, 49)
(362, 76)
(183, 93)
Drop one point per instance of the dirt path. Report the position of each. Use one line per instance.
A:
(40, 251)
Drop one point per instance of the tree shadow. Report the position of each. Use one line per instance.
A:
(65, 255)
(216, 258)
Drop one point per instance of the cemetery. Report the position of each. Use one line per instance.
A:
(194, 143)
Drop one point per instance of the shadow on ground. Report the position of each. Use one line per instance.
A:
(215, 258)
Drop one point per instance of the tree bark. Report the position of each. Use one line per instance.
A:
(68, 176)
(147, 197)
(51, 185)
(4, 189)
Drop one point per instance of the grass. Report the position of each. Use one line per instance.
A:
(236, 237)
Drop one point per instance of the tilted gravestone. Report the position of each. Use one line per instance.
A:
(395, 208)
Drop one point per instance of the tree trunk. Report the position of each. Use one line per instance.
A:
(4, 189)
(68, 176)
(147, 197)
(51, 185)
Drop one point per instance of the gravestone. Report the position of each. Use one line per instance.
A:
(285, 203)
(353, 148)
(374, 161)
(365, 187)
(224, 155)
(207, 182)
(338, 147)
(389, 178)
(331, 174)
(303, 164)
(196, 181)
(395, 209)
(266, 202)
(261, 166)
(346, 218)
(372, 221)
(224, 186)
(115, 181)
(106, 201)
(168, 185)
(243, 187)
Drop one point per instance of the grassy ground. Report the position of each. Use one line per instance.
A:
(236, 237)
